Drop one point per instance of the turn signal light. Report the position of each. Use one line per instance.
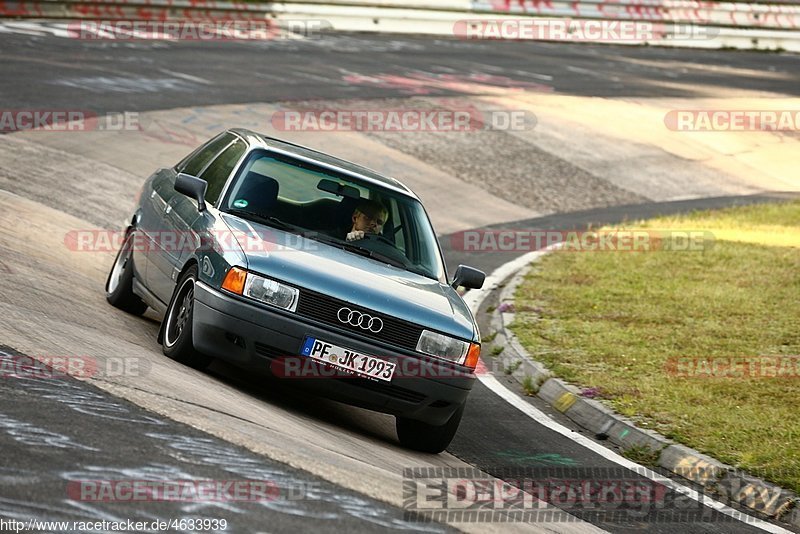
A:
(234, 280)
(473, 355)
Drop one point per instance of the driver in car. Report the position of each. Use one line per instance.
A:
(368, 218)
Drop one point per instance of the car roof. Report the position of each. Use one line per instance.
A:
(257, 140)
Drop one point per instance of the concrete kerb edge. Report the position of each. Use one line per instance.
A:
(721, 480)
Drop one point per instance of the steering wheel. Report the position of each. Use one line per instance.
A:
(379, 237)
(387, 248)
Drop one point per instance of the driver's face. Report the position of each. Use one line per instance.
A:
(365, 223)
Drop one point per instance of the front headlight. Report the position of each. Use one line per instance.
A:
(271, 292)
(442, 346)
(261, 288)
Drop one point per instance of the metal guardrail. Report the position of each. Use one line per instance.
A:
(748, 25)
(747, 15)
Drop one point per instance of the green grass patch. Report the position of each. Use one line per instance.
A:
(617, 319)
(529, 386)
(642, 454)
(497, 349)
(513, 367)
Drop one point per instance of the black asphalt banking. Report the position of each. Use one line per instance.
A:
(69, 449)
(48, 72)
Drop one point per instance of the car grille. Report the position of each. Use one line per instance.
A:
(270, 352)
(323, 308)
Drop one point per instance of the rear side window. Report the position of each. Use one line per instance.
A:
(221, 168)
(200, 158)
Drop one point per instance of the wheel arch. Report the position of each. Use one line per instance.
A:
(192, 261)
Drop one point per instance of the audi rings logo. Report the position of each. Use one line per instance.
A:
(361, 320)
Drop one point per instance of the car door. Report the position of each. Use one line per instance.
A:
(184, 217)
(150, 225)
(175, 215)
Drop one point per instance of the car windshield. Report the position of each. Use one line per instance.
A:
(358, 216)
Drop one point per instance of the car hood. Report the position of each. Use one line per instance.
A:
(356, 279)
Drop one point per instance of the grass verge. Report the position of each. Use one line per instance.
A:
(662, 333)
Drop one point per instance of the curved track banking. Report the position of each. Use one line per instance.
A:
(599, 153)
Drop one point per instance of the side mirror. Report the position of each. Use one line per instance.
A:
(468, 277)
(192, 187)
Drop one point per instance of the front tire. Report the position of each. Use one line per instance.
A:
(119, 284)
(177, 336)
(423, 437)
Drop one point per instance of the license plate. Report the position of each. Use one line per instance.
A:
(349, 360)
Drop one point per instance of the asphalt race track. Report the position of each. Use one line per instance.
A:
(598, 153)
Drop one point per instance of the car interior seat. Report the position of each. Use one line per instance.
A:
(344, 213)
(260, 192)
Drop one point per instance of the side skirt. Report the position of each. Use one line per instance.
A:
(151, 300)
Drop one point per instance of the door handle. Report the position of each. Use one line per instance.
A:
(168, 208)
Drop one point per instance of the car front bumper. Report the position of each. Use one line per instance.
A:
(267, 340)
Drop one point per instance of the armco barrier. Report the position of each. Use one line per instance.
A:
(751, 25)
(741, 15)
(413, 21)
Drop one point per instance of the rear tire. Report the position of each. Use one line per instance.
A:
(119, 284)
(423, 437)
(177, 336)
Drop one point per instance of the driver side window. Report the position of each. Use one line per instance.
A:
(217, 173)
(198, 160)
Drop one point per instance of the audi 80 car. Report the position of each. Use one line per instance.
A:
(282, 259)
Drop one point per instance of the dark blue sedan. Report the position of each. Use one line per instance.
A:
(285, 260)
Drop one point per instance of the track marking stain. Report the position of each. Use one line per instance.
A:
(544, 458)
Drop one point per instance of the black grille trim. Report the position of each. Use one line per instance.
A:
(270, 352)
(323, 308)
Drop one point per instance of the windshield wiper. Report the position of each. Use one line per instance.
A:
(361, 251)
(264, 218)
(372, 254)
